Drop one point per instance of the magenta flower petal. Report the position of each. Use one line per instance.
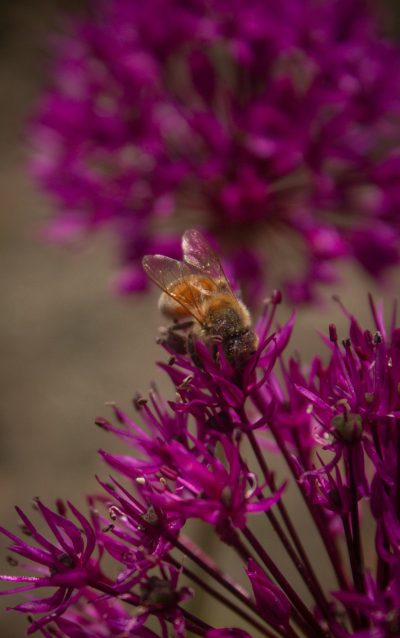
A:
(271, 601)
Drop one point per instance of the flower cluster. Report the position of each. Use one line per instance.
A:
(250, 119)
(207, 455)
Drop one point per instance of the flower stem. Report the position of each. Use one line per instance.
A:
(283, 583)
(221, 598)
(350, 549)
(358, 574)
(195, 624)
(244, 553)
(356, 553)
(382, 568)
(398, 469)
(304, 568)
(326, 538)
(214, 572)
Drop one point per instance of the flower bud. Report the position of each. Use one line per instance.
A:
(347, 427)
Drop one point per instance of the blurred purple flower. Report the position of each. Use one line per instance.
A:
(257, 121)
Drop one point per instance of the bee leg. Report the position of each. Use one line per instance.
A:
(214, 341)
(181, 325)
(173, 341)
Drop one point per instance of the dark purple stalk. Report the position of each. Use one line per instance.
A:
(350, 550)
(244, 554)
(221, 598)
(326, 537)
(358, 574)
(398, 469)
(195, 624)
(375, 437)
(304, 568)
(233, 540)
(357, 553)
(300, 451)
(221, 578)
(284, 584)
(382, 568)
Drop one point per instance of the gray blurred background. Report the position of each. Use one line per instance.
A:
(67, 345)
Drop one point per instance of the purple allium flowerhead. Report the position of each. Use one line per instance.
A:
(207, 454)
(64, 563)
(272, 125)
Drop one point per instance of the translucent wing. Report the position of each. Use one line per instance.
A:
(181, 281)
(198, 253)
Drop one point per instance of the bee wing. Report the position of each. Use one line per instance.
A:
(197, 252)
(175, 278)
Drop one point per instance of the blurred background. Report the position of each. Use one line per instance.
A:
(67, 345)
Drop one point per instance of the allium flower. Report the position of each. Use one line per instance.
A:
(255, 120)
(65, 564)
(207, 454)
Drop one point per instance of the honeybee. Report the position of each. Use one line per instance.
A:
(196, 289)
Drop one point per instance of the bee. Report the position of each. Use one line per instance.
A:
(197, 296)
